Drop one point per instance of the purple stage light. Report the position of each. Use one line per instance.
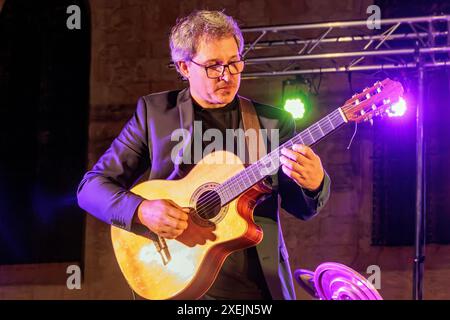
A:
(397, 109)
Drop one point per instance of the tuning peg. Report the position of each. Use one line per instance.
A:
(368, 96)
(371, 121)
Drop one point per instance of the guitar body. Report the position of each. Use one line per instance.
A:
(196, 256)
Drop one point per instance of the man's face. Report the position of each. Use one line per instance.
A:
(214, 92)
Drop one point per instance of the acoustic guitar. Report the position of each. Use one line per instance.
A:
(221, 193)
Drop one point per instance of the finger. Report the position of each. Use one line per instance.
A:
(292, 164)
(177, 213)
(169, 236)
(181, 225)
(185, 210)
(295, 156)
(176, 233)
(165, 234)
(304, 150)
(170, 233)
(175, 223)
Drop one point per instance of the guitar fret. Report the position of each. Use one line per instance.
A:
(224, 192)
(256, 174)
(308, 139)
(238, 183)
(256, 177)
(249, 181)
(229, 194)
(219, 192)
(301, 140)
(233, 187)
(320, 128)
(240, 179)
(341, 115)
(330, 119)
(311, 136)
(271, 164)
(250, 170)
(291, 143)
(315, 133)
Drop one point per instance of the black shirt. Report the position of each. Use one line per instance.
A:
(241, 276)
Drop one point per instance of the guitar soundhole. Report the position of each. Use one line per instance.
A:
(208, 205)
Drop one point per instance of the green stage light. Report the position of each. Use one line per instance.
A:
(296, 107)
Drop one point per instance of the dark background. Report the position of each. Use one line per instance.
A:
(394, 185)
(44, 101)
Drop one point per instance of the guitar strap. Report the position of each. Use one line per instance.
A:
(250, 121)
(266, 249)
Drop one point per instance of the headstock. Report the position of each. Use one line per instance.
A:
(373, 101)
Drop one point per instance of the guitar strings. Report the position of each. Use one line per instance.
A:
(312, 130)
(236, 179)
(302, 137)
(328, 126)
(209, 204)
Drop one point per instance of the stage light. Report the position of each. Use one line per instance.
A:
(296, 107)
(295, 97)
(398, 109)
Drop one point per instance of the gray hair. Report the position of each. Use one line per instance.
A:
(187, 32)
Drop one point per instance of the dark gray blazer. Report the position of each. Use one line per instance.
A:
(145, 143)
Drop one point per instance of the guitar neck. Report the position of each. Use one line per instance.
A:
(269, 164)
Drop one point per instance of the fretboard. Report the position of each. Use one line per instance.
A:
(269, 164)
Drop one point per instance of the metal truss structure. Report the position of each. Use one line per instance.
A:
(330, 47)
(417, 43)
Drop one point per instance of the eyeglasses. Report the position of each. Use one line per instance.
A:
(217, 70)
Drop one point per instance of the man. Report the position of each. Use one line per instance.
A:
(206, 48)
